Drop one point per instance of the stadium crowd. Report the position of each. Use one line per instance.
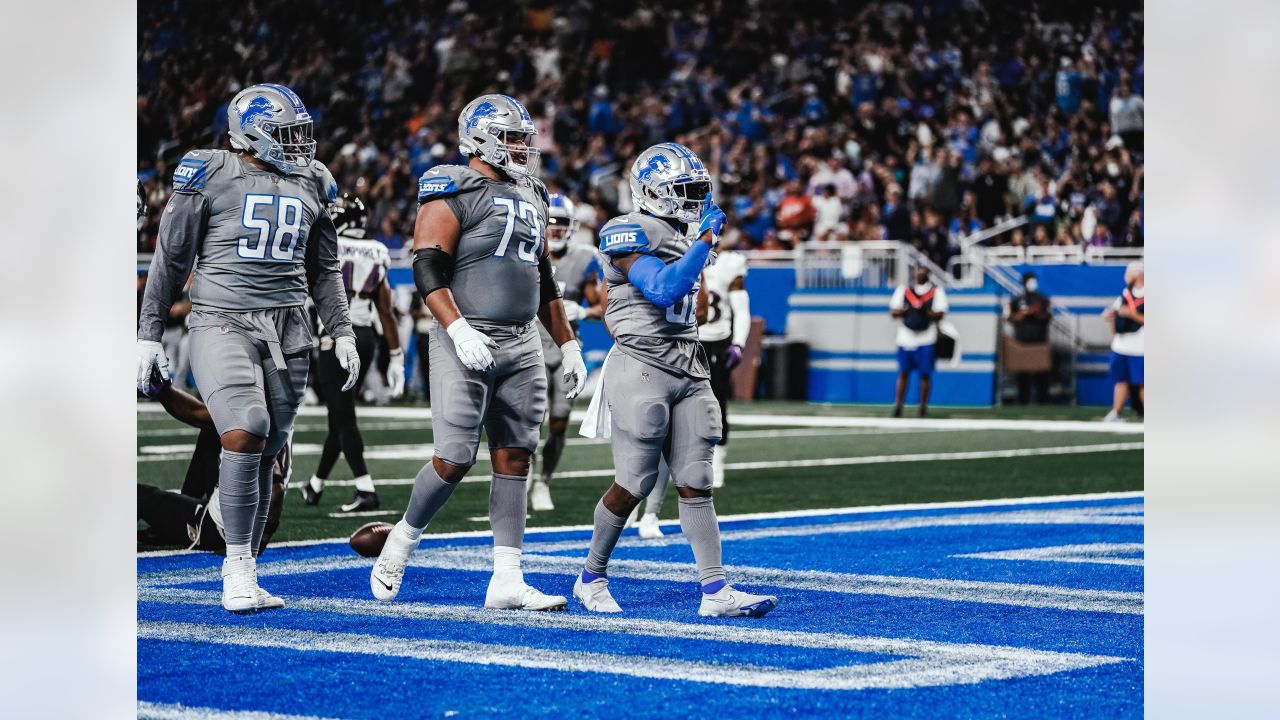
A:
(820, 120)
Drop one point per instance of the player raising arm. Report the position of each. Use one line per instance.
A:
(656, 378)
(482, 269)
(255, 218)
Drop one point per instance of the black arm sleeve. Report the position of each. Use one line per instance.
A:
(549, 288)
(432, 270)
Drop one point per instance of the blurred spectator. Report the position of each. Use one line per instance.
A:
(828, 211)
(1029, 315)
(1128, 320)
(936, 98)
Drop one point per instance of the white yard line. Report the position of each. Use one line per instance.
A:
(746, 419)
(924, 664)
(175, 711)
(742, 517)
(1097, 553)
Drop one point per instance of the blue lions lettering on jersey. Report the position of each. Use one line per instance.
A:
(190, 174)
(623, 239)
(430, 188)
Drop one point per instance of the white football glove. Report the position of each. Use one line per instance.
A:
(574, 311)
(471, 345)
(150, 354)
(345, 348)
(395, 373)
(575, 368)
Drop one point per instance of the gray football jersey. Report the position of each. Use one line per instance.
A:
(495, 276)
(254, 246)
(667, 337)
(577, 268)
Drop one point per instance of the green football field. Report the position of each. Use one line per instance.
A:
(782, 456)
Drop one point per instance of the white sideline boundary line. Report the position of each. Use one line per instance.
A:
(742, 517)
(178, 711)
(749, 419)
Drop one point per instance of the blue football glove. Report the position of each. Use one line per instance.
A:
(713, 219)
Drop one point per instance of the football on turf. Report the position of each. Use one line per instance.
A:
(369, 539)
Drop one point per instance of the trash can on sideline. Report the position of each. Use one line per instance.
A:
(784, 371)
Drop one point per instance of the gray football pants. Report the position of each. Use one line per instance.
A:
(651, 407)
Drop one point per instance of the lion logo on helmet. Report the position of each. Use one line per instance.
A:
(483, 110)
(258, 106)
(657, 163)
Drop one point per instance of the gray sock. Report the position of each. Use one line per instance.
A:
(238, 499)
(429, 494)
(264, 502)
(698, 522)
(507, 510)
(653, 503)
(603, 538)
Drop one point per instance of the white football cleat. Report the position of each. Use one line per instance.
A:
(267, 601)
(1113, 417)
(728, 602)
(240, 584)
(388, 571)
(649, 529)
(717, 466)
(595, 595)
(510, 592)
(540, 497)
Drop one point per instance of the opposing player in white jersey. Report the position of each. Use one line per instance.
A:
(365, 262)
(577, 272)
(723, 335)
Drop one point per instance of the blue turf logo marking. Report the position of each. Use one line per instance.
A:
(259, 106)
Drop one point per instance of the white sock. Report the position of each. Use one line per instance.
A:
(364, 483)
(239, 550)
(317, 483)
(506, 563)
(717, 462)
(408, 532)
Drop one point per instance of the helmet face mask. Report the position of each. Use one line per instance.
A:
(669, 181)
(270, 122)
(498, 130)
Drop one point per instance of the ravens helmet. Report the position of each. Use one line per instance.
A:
(348, 213)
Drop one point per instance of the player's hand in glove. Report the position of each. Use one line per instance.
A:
(733, 357)
(575, 369)
(395, 373)
(713, 220)
(471, 345)
(574, 311)
(150, 355)
(345, 348)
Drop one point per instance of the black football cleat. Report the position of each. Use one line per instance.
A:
(361, 502)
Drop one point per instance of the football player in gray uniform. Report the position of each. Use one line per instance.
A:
(577, 272)
(255, 219)
(656, 379)
(481, 265)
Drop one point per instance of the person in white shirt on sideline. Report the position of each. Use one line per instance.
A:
(920, 308)
(1128, 318)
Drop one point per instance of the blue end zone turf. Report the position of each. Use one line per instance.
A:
(1027, 609)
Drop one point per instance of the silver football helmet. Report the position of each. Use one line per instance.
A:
(270, 122)
(669, 181)
(562, 223)
(498, 130)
